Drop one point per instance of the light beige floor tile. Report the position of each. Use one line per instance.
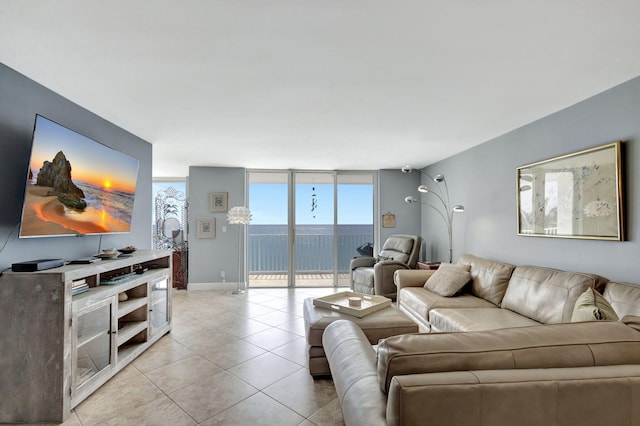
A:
(271, 338)
(241, 326)
(163, 352)
(264, 370)
(156, 413)
(276, 318)
(194, 327)
(232, 353)
(125, 391)
(329, 415)
(261, 296)
(254, 309)
(212, 395)
(301, 393)
(296, 327)
(205, 340)
(179, 374)
(258, 410)
(295, 351)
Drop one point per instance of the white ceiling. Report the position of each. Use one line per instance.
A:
(333, 84)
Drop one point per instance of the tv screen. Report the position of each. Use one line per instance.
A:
(75, 185)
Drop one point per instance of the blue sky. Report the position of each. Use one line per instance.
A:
(268, 203)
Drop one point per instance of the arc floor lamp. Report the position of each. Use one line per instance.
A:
(443, 205)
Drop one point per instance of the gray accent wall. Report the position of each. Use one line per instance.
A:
(483, 180)
(20, 100)
(209, 257)
(393, 186)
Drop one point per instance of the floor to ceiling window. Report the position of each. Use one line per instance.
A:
(307, 226)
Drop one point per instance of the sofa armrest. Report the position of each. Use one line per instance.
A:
(352, 361)
(411, 277)
(362, 261)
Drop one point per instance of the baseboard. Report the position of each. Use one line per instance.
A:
(212, 286)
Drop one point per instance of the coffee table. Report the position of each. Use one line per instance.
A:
(378, 325)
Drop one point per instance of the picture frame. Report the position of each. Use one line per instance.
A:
(578, 195)
(388, 220)
(218, 202)
(205, 227)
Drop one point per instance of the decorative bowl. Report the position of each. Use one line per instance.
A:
(127, 250)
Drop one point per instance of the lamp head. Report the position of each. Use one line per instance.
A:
(458, 208)
(423, 188)
(410, 199)
(438, 178)
(406, 169)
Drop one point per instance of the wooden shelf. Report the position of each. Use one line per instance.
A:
(73, 365)
(130, 305)
(130, 330)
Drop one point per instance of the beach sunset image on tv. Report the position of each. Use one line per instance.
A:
(76, 185)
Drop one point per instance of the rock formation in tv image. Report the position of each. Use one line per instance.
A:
(57, 175)
(56, 205)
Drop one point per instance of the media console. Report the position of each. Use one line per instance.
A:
(66, 331)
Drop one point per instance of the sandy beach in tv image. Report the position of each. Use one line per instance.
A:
(76, 185)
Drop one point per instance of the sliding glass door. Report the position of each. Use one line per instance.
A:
(269, 229)
(307, 226)
(314, 229)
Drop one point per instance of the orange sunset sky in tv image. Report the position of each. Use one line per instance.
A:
(91, 162)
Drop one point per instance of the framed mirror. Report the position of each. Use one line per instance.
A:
(577, 195)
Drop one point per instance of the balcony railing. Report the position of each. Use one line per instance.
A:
(313, 252)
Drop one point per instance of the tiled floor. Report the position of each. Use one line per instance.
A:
(229, 360)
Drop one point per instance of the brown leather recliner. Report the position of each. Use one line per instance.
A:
(374, 275)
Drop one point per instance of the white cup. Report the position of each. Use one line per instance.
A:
(109, 251)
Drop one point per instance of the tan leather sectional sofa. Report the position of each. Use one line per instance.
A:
(508, 368)
(501, 295)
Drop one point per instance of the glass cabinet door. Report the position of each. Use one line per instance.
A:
(93, 338)
(158, 311)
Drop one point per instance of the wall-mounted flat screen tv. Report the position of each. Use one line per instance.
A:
(75, 185)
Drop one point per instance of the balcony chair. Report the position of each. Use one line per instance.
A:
(374, 275)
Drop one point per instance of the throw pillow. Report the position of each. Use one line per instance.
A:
(448, 279)
(592, 306)
(382, 258)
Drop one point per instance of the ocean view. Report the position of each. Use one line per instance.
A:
(268, 247)
(117, 204)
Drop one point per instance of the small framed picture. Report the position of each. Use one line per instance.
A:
(388, 220)
(218, 201)
(205, 227)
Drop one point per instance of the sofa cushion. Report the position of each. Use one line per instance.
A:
(592, 306)
(624, 298)
(546, 295)
(476, 319)
(449, 279)
(543, 346)
(419, 301)
(489, 278)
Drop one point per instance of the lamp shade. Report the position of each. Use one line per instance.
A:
(239, 215)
